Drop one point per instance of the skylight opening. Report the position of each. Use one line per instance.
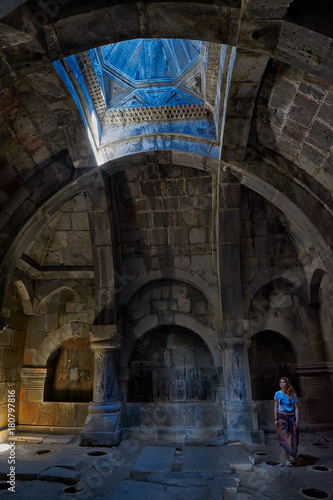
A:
(146, 94)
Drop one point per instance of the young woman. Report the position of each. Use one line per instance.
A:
(286, 418)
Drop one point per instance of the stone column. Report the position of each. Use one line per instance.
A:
(239, 411)
(102, 426)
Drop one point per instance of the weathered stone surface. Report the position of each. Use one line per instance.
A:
(25, 471)
(154, 459)
(237, 458)
(130, 490)
(208, 459)
(60, 475)
(146, 241)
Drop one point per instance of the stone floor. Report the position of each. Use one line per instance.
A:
(54, 467)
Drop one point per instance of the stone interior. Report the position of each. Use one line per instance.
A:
(163, 263)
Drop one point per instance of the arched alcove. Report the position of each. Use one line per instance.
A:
(173, 387)
(271, 356)
(171, 364)
(71, 372)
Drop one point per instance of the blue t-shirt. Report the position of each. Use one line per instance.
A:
(285, 404)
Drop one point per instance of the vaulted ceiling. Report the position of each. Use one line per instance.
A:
(274, 131)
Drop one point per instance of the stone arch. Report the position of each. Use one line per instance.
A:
(25, 298)
(305, 232)
(183, 320)
(211, 21)
(294, 278)
(283, 327)
(78, 290)
(52, 342)
(70, 371)
(271, 355)
(273, 287)
(282, 307)
(307, 236)
(315, 296)
(157, 366)
(182, 276)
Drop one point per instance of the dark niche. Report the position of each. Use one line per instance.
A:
(171, 364)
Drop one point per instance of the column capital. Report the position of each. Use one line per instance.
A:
(105, 337)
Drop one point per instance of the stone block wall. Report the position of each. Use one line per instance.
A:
(72, 373)
(266, 248)
(165, 218)
(172, 364)
(168, 296)
(295, 119)
(195, 421)
(51, 327)
(64, 240)
(12, 340)
(46, 416)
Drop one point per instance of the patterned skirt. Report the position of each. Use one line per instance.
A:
(288, 432)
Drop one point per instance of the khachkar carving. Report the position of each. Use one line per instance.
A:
(239, 410)
(102, 426)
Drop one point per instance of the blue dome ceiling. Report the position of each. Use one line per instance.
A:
(145, 60)
(150, 94)
(157, 72)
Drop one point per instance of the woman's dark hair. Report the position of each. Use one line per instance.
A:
(290, 390)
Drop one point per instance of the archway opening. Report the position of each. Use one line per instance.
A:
(271, 356)
(71, 373)
(171, 364)
(173, 388)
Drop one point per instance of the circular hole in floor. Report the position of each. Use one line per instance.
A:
(320, 468)
(97, 453)
(261, 453)
(273, 463)
(320, 445)
(4, 485)
(42, 452)
(72, 490)
(306, 460)
(314, 493)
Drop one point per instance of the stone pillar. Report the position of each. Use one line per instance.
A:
(102, 426)
(239, 411)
